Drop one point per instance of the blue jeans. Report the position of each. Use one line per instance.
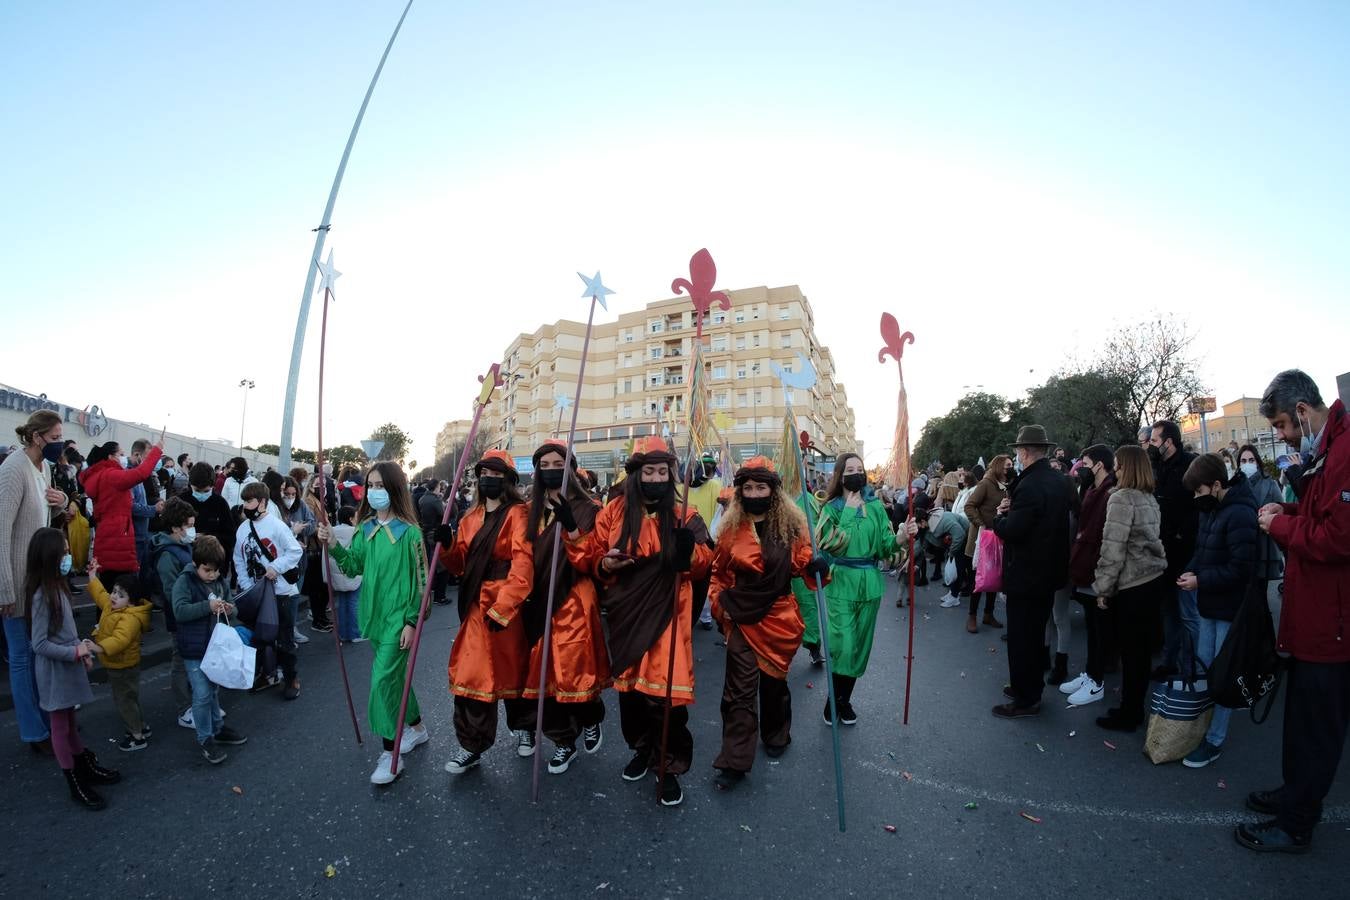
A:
(345, 601)
(205, 705)
(1180, 617)
(1212, 634)
(33, 722)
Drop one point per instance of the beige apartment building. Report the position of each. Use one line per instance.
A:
(638, 367)
(1239, 421)
(453, 434)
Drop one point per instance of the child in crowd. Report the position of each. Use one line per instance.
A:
(346, 589)
(198, 597)
(265, 547)
(170, 553)
(61, 663)
(117, 641)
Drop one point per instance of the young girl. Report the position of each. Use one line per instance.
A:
(346, 590)
(117, 640)
(386, 551)
(61, 663)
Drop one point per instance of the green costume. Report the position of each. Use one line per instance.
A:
(806, 597)
(854, 593)
(392, 564)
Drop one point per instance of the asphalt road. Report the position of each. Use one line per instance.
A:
(1110, 824)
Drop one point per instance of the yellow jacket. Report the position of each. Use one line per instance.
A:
(119, 630)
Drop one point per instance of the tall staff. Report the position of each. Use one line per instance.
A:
(491, 381)
(894, 346)
(596, 290)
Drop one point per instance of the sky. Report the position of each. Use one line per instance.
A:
(1011, 181)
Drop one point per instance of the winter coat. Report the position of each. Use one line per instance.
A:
(1132, 553)
(62, 681)
(1035, 532)
(981, 507)
(1177, 505)
(951, 526)
(1225, 554)
(1269, 556)
(1315, 535)
(232, 487)
(192, 609)
(142, 511)
(214, 518)
(109, 487)
(119, 630)
(1087, 543)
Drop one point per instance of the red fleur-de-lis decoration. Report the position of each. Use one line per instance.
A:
(699, 286)
(806, 442)
(894, 341)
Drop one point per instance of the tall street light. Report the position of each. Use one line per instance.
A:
(754, 403)
(248, 385)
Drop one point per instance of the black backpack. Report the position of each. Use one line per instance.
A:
(1247, 668)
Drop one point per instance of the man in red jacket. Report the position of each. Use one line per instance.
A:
(1315, 536)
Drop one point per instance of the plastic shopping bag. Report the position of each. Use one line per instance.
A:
(949, 570)
(228, 662)
(989, 569)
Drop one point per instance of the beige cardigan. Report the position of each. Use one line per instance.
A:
(1132, 553)
(22, 512)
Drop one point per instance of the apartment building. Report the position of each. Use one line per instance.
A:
(454, 433)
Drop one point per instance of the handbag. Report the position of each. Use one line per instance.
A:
(1246, 669)
(989, 570)
(227, 661)
(1179, 715)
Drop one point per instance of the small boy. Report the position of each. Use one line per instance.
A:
(198, 597)
(346, 590)
(117, 642)
(170, 554)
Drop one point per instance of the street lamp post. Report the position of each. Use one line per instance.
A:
(248, 385)
(754, 403)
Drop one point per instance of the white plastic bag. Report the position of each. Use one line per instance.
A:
(228, 662)
(949, 570)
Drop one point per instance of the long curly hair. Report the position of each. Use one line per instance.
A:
(784, 521)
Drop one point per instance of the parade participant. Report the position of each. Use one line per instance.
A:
(856, 586)
(386, 553)
(704, 489)
(578, 660)
(640, 549)
(494, 558)
(828, 540)
(761, 546)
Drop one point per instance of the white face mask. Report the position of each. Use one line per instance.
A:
(189, 535)
(123, 461)
(1250, 469)
(288, 502)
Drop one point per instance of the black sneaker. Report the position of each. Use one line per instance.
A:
(636, 770)
(213, 754)
(671, 792)
(562, 758)
(592, 737)
(462, 761)
(229, 737)
(1267, 803)
(525, 744)
(326, 628)
(130, 744)
(825, 714)
(846, 714)
(724, 780)
(1268, 837)
(816, 659)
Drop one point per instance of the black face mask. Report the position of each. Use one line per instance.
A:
(1207, 503)
(1086, 477)
(855, 482)
(653, 491)
(551, 479)
(252, 514)
(1154, 454)
(757, 506)
(490, 486)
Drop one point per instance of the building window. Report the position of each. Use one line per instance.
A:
(720, 400)
(785, 341)
(754, 338)
(719, 317)
(719, 371)
(789, 395)
(740, 372)
(740, 342)
(654, 381)
(740, 316)
(628, 337)
(783, 313)
(741, 401)
(759, 397)
(625, 411)
(656, 327)
(654, 352)
(719, 344)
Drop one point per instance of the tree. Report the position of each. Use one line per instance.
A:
(1079, 409)
(1155, 362)
(297, 455)
(344, 455)
(396, 441)
(980, 425)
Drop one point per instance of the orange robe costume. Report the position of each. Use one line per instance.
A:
(491, 665)
(648, 675)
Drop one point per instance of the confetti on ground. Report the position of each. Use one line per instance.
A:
(602, 885)
(330, 870)
(906, 776)
(1109, 745)
(993, 649)
(972, 805)
(238, 790)
(809, 685)
(598, 796)
(1223, 785)
(1073, 734)
(891, 755)
(963, 674)
(1040, 748)
(745, 828)
(890, 828)
(1030, 818)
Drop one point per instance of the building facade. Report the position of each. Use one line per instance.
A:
(452, 435)
(1239, 421)
(637, 372)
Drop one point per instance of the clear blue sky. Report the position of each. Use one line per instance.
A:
(164, 162)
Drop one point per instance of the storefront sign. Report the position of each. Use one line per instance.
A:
(91, 418)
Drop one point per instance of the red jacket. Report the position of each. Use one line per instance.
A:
(109, 486)
(1315, 536)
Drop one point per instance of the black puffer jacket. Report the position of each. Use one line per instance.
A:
(1225, 554)
(1179, 518)
(1035, 532)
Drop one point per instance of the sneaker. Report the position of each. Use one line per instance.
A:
(292, 690)
(213, 754)
(462, 761)
(1090, 692)
(1267, 837)
(846, 714)
(949, 601)
(229, 737)
(384, 766)
(671, 792)
(706, 626)
(1011, 710)
(145, 732)
(592, 737)
(816, 659)
(636, 770)
(1202, 756)
(220, 712)
(185, 720)
(325, 628)
(562, 758)
(1071, 687)
(359, 640)
(825, 714)
(412, 737)
(299, 636)
(130, 744)
(525, 744)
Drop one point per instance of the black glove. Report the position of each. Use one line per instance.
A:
(493, 624)
(445, 535)
(818, 568)
(562, 511)
(684, 549)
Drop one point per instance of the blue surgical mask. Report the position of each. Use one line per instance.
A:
(201, 496)
(123, 461)
(67, 563)
(378, 498)
(1305, 446)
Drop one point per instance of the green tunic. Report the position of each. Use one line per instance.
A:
(856, 587)
(392, 564)
(806, 597)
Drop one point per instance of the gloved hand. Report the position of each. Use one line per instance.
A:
(684, 549)
(493, 624)
(818, 568)
(562, 511)
(445, 534)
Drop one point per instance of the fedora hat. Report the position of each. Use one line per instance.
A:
(1032, 436)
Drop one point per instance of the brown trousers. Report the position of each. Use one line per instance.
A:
(640, 717)
(125, 685)
(740, 726)
(476, 721)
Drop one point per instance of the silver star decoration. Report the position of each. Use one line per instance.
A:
(328, 273)
(562, 401)
(595, 289)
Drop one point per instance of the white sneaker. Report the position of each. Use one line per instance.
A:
(950, 600)
(412, 737)
(383, 773)
(300, 638)
(1090, 692)
(185, 720)
(1071, 687)
(525, 744)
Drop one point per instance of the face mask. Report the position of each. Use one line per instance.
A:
(252, 514)
(1017, 465)
(855, 482)
(1154, 454)
(378, 498)
(66, 564)
(1250, 469)
(52, 452)
(655, 490)
(1086, 477)
(490, 486)
(551, 478)
(201, 496)
(757, 506)
(288, 502)
(1207, 503)
(1305, 445)
(123, 461)
(189, 535)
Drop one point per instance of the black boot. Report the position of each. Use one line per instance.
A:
(1060, 673)
(90, 772)
(82, 793)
